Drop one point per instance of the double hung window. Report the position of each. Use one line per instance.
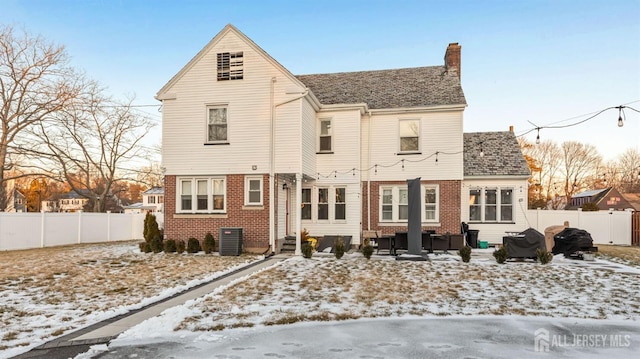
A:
(201, 195)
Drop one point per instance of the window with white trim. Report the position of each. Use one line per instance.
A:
(409, 136)
(306, 204)
(325, 138)
(394, 203)
(340, 205)
(431, 200)
(230, 66)
(253, 191)
(491, 205)
(216, 124)
(152, 199)
(207, 193)
(323, 203)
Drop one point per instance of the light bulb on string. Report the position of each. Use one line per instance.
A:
(620, 121)
(538, 137)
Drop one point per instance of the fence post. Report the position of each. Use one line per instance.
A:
(42, 229)
(79, 226)
(108, 226)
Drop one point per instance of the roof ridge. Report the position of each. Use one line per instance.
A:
(370, 71)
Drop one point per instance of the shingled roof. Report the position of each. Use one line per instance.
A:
(397, 88)
(502, 155)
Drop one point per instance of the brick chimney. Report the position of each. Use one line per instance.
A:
(452, 57)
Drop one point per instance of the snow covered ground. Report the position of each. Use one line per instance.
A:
(45, 293)
(323, 289)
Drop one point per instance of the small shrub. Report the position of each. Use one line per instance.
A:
(193, 245)
(590, 207)
(144, 247)
(156, 244)
(151, 230)
(180, 246)
(367, 251)
(339, 245)
(465, 254)
(307, 250)
(170, 246)
(501, 254)
(544, 257)
(209, 243)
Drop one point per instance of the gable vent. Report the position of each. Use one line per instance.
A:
(230, 66)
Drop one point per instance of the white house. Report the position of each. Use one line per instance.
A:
(248, 144)
(152, 201)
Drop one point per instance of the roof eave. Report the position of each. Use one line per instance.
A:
(439, 108)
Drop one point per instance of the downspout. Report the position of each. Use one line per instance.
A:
(368, 174)
(272, 234)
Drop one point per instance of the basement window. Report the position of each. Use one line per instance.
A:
(230, 66)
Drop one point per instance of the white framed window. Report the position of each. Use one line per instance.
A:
(325, 142)
(323, 204)
(160, 199)
(201, 195)
(253, 191)
(306, 204)
(216, 124)
(431, 203)
(491, 205)
(230, 66)
(409, 136)
(394, 203)
(151, 199)
(340, 205)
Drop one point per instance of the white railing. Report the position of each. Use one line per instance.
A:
(36, 230)
(605, 227)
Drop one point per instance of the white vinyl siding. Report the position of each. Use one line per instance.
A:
(253, 191)
(248, 103)
(439, 132)
(208, 195)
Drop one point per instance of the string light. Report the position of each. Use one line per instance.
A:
(621, 118)
(400, 162)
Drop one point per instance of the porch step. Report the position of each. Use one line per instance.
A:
(289, 245)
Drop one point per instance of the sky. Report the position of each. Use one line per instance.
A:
(526, 64)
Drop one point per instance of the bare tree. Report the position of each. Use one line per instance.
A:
(36, 81)
(629, 168)
(545, 161)
(580, 162)
(92, 143)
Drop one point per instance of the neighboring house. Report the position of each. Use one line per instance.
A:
(633, 199)
(605, 199)
(152, 201)
(16, 201)
(71, 202)
(248, 144)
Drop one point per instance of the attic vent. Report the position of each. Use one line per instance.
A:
(229, 66)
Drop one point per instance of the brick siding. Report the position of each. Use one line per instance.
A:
(254, 222)
(449, 207)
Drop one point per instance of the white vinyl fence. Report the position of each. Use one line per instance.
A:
(35, 230)
(605, 227)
